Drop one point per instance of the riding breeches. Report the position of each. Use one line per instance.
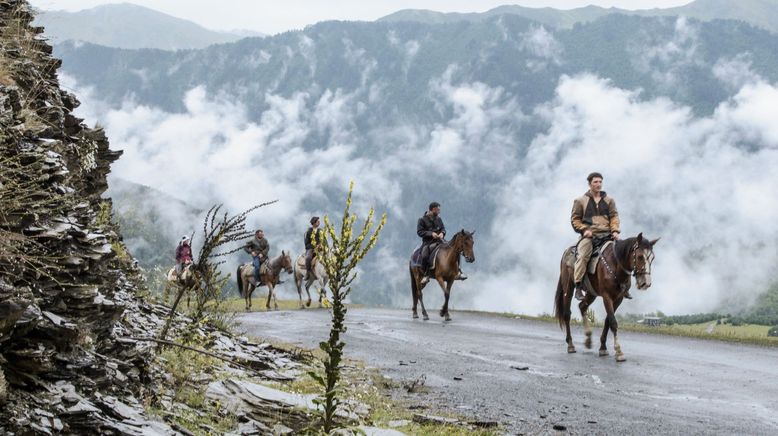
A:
(582, 260)
(426, 251)
(257, 262)
(309, 255)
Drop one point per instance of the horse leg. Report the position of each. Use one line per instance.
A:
(275, 298)
(297, 284)
(568, 302)
(584, 306)
(447, 294)
(247, 290)
(615, 327)
(424, 314)
(414, 292)
(269, 296)
(443, 287)
(610, 308)
(308, 292)
(604, 337)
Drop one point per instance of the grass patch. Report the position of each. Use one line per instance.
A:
(743, 334)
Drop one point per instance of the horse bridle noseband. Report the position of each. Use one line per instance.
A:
(637, 272)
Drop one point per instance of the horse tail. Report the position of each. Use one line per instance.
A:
(414, 291)
(240, 281)
(559, 303)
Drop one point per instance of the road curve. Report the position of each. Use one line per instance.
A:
(668, 385)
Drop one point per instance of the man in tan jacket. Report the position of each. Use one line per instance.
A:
(594, 216)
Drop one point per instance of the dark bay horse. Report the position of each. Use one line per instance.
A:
(446, 270)
(618, 263)
(268, 277)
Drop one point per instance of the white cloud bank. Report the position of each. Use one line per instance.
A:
(705, 185)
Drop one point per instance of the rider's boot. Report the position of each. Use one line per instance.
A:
(579, 295)
(460, 276)
(628, 296)
(426, 277)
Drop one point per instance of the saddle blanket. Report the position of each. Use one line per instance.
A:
(416, 256)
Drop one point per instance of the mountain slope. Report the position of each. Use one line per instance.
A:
(129, 26)
(761, 13)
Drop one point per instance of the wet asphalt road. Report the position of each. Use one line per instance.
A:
(668, 385)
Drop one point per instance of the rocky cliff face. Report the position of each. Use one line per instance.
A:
(69, 291)
(67, 288)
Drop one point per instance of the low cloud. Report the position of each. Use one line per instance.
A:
(701, 183)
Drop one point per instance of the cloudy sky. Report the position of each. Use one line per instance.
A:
(273, 17)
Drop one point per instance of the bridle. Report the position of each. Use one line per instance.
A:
(646, 269)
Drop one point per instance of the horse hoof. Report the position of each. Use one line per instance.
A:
(570, 349)
(588, 343)
(308, 304)
(442, 313)
(426, 317)
(603, 353)
(415, 316)
(620, 358)
(448, 318)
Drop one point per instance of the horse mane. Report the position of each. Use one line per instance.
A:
(622, 248)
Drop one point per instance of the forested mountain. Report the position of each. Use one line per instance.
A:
(126, 25)
(761, 13)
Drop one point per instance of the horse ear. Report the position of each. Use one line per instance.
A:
(654, 241)
(472, 233)
(640, 237)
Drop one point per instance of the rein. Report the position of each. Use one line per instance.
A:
(633, 250)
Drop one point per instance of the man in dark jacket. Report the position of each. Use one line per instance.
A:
(432, 232)
(312, 237)
(259, 249)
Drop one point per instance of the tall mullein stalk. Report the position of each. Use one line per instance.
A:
(340, 253)
(221, 232)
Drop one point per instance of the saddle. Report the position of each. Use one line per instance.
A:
(301, 265)
(599, 247)
(263, 268)
(416, 259)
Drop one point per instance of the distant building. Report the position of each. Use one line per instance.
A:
(653, 321)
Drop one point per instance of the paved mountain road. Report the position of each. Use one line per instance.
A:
(668, 385)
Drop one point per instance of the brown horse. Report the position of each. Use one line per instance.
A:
(268, 277)
(445, 272)
(612, 279)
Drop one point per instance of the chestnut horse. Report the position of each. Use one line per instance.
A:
(445, 272)
(612, 279)
(269, 277)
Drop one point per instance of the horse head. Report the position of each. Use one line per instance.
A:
(286, 262)
(641, 259)
(465, 244)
